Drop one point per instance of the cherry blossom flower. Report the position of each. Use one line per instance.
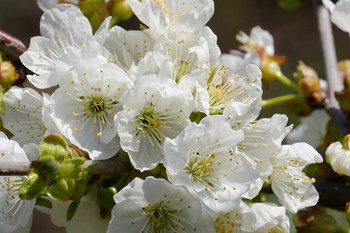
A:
(154, 206)
(340, 13)
(84, 106)
(288, 181)
(254, 218)
(86, 219)
(205, 160)
(163, 16)
(154, 109)
(15, 213)
(339, 158)
(66, 37)
(23, 115)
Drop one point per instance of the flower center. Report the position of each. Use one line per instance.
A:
(201, 168)
(159, 216)
(149, 124)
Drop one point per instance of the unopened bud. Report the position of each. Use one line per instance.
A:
(307, 78)
(344, 68)
(7, 74)
(42, 173)
(270, 69)
(119, 10)
(347, 211)
(54, 145)
(61, 189)
(346, 142)
(95, 11)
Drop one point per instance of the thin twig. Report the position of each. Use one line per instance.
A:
(335, 83)
(111, 166)
(11, 46)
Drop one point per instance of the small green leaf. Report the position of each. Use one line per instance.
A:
(72, 208)
(43, 202)
(290, 4)
(54, 145)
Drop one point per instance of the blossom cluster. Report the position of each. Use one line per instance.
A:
(167, 97)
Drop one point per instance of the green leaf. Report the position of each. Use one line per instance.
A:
(54, 145)
(290, 4)
(43, 202)
(72, 208)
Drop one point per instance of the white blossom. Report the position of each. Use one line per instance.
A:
(155, 206)
(253, 218)
(311, 129)
(340, 13)
(288, 181)
(66, 37)
(127, 48)
(45, 5)
(15, 213)
(87, 217)
(84, 106)
(220, 89)
(338, 158)
(257, 37)
(154, 109)
(163, 16)
(205, 160)
(23, 115)
(265, 217)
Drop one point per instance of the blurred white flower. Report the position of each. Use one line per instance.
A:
(15, 213)
(290, 184)
(338, 158)
(87, 217)
(340, 13)
(311, 129)
(155, 206)
(205, 160)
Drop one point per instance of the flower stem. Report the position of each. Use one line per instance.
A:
(278, 100)
(286, 81)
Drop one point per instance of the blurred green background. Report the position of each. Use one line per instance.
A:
(295, 34)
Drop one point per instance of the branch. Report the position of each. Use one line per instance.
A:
(335, 83)
(11, 46)
(111, 166)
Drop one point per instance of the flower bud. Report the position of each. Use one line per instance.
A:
(95, 11)
(347, 211)
(7, 74)
(119, 10)
(54, 145)
(41, 174)
(270, 68)
(307, 78)
(61, 189)
(344, 68)
(346, 142)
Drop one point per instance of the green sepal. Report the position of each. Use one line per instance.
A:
(54, 145)
(79, 192)
(42, 173)
(43, 202)
(61, 189)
